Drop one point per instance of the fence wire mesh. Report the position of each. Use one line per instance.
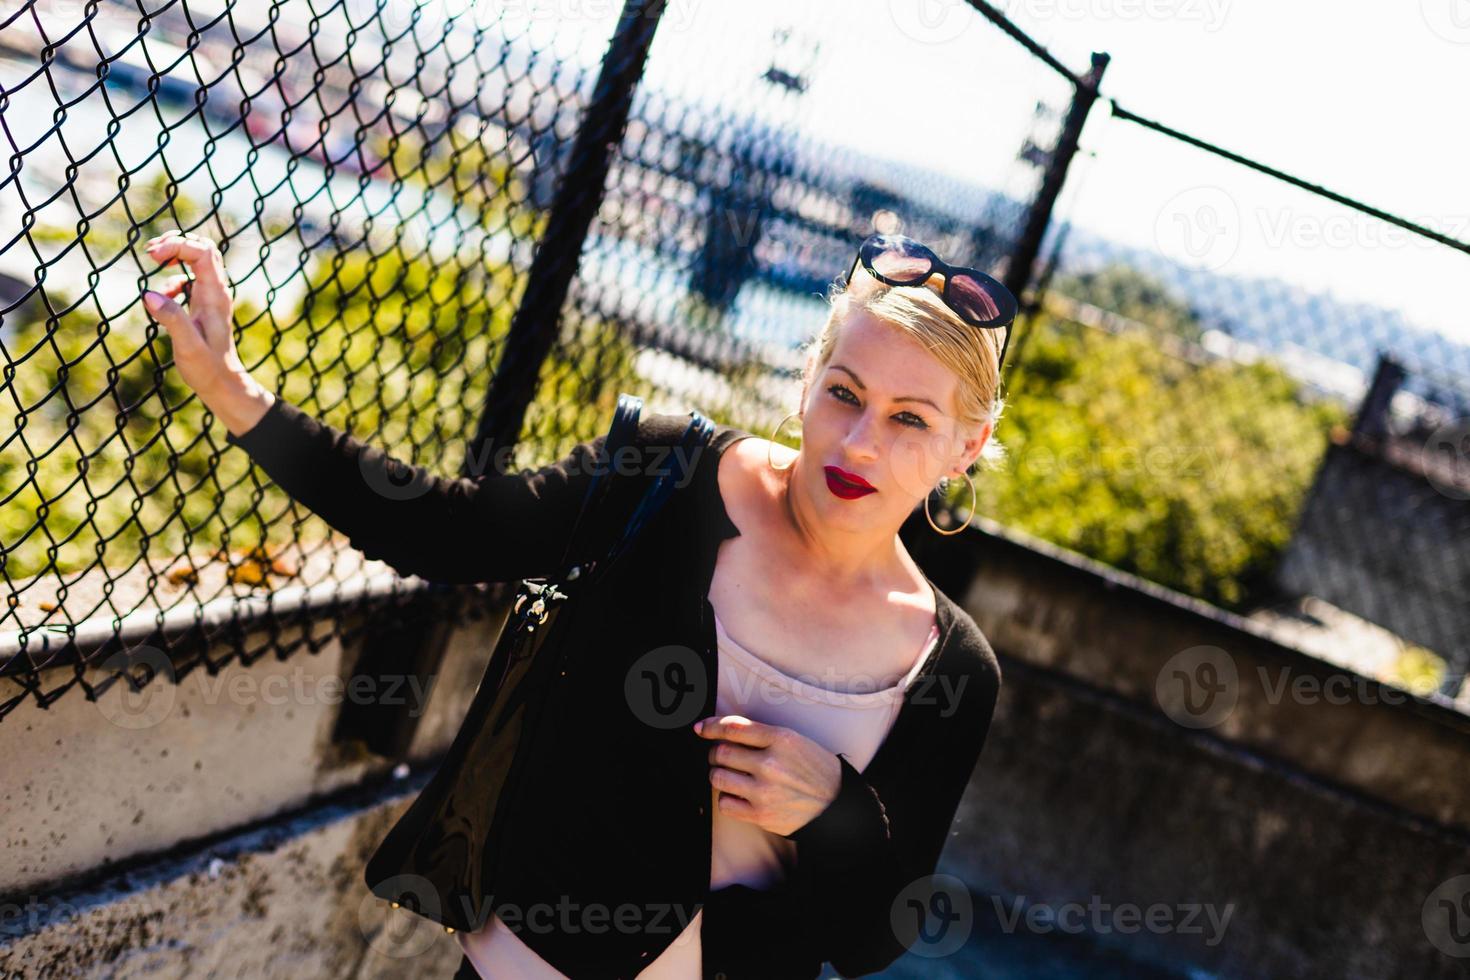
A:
(738, 194)
(380, 176)
(376, 175)
(1197, 404)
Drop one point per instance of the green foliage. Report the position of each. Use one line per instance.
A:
(113, 459)
(1419, 670)
(578, 391)
(1188, 475)
(479, 179)
(102, 459)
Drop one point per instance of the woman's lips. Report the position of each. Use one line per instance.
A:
(848, 486)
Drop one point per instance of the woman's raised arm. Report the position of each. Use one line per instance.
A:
(486, 529)
(491, 528)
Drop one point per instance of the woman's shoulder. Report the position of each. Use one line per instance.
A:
(969, 649)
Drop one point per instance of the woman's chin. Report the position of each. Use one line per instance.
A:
(851, 514)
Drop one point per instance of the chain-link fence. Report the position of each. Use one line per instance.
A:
(454, 220)
(407, 197)
(377, 176)
(1198, 405)
(738, 196)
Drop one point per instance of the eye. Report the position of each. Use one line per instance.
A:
(842, 393)
(915, 421)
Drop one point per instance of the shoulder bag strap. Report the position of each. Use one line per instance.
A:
(620, 434)
(696, 436)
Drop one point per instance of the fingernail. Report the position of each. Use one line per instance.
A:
(151, 299)
(699, 727)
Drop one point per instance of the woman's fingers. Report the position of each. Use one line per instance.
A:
(734, 782)
(189, 342)
(201, 256)
(174, 285)
(207, 293)
(176, 233)
(738, 728)
(782, 779)
(196, 308)
(733, 756)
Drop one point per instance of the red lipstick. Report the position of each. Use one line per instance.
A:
(848, 486)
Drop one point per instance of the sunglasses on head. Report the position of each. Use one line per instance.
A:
(978, 299)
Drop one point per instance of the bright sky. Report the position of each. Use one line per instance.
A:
(1366, 99)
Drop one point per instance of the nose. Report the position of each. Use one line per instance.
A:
(861, 442)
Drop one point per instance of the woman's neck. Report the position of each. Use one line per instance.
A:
(847, 560)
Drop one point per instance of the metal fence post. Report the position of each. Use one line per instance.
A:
(413, 641)
(1371, 422)
(536, 323)
(1022, 262)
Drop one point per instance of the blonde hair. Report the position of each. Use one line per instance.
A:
(972, 353)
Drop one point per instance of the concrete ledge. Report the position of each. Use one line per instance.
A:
(283, 899)
(89, 784)
(1085, 799)
(1203, 668)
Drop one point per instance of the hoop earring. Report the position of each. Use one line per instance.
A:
(974, 502)
(772, 442)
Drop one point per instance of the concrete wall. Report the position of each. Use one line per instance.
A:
(1255, 870)
(285, 900)
(1388, 545)
(1148, 751)
(1319, 808)
(214, 826)
(90, 784)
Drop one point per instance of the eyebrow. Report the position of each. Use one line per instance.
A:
(905, 398)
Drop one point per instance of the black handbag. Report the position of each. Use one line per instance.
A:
(437, 858)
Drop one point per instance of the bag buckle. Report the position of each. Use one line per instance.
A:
(532, 605)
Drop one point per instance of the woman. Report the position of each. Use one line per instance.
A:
(801, 819)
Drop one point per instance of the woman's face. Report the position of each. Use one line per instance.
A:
(881, 409)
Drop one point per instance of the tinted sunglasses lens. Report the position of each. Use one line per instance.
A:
(972, 298)
(896, 261)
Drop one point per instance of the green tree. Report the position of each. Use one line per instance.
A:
(1188, 475)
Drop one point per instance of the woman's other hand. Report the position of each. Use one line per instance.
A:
(773, 777)
(203, 330)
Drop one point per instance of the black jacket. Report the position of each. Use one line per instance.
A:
(616, 810)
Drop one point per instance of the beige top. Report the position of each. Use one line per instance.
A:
(853, 721)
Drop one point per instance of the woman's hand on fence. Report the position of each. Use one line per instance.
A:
(203, 330)
(773, 777)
